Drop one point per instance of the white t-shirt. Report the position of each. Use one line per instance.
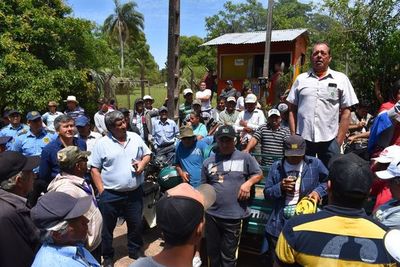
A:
(205, 105)
(293, 170)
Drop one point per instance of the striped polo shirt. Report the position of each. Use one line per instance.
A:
(336, 236)
(271, 142)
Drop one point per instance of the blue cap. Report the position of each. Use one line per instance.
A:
(33, 115)
(81, 121)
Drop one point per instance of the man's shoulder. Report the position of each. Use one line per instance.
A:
(146, 262)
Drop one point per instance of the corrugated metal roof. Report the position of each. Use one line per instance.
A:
(256, 37)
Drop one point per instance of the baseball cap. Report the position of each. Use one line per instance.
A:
(186, 131)
(13, 111)
(33, 115)
(147, 97)
(162, 108)
(225, 130)
(71, 98)
(187, 91)
(55, 207)
(250, 98)
(81, 121)
(392, 171)
(229, 82)
(273, 112)
(350, 176)
(231, 98)
(196, 102)
(294, 145)
(388, 154)
(391, 240)
(5, 139)
(282, 107)
(12, 162)
(181, 210)
(69, 156)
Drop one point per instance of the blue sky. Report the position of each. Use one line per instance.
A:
(193, 13)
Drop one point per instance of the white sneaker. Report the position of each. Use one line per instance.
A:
(196, 261)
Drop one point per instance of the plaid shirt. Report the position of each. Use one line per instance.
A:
(314, 177)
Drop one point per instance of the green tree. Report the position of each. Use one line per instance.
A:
(126, 23)
(45, 55)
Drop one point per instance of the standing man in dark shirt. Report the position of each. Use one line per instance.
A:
(19, 238)
(229, 90)
(232, 173)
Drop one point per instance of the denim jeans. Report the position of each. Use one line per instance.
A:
(324, 150)
(128, 205)
(222, 237)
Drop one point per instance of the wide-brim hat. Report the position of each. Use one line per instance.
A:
(71, 98)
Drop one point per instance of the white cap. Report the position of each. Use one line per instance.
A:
(282, 107)
(250, 98)
(71, 98)
(388, 154)
(391, 241)
(231, 98)
(187, 91)
(392, 171)
(146, 97)
(273, 111)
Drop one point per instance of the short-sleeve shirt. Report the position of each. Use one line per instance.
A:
(206, 105)
(48, 118)
(191, 160)
(200, 129)
(226, 173)
(32, 145)
(114, 160)
(9, 130)
(318, 102)
(271, 142)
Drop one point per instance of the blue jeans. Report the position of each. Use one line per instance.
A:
(129, 205)
(324, 150)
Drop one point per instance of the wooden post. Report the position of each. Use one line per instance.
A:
(173, 58)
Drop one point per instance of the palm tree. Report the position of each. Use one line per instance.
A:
(125, 23)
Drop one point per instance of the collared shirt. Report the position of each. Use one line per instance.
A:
(77, 112)
(114, 160)
(9, 130)
(335, 236)
(228, 118)
(64, 256)
(48, 118)
(254, 120)
(32, 145)
(49, 168)
(164, 133)
(226, 173)
(19, 238)
(318, 102)
(314, 177)
(99, 121)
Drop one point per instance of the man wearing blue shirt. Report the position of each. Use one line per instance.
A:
(189, 156)
(32, 142)
(164, 134)
(118, 160)
(14, 129)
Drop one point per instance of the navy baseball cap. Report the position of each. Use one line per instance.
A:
(55, 207)
(13, 111)
(12, 162)
(294, 145)
(33, 115)
(225, 131)
(81, 121)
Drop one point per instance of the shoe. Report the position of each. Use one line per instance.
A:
(108, 262)
(136, 254)
(196, 261)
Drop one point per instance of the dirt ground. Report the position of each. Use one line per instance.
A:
(153, 245)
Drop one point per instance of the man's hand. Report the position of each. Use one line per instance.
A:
(247, 130)
(288, 184)
(139, 167)
(243, 123)
(244, 191)
(185, 176)
(315, 196)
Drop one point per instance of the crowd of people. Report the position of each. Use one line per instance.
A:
(66, 179)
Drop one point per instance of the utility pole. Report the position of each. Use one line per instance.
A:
(263, 81)
(173, 58)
